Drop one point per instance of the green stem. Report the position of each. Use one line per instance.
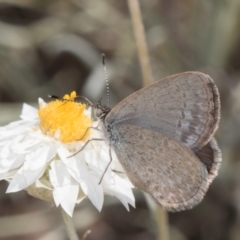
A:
(72, 234)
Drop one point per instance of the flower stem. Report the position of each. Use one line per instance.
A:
(141, 41)
(161, 218)
(72, 234)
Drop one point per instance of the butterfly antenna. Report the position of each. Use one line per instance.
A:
(86, 99)
(106, 78)
(53, 96)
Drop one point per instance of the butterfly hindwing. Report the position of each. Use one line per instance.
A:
(163, 167)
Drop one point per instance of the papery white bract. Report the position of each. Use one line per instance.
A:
(33, 160)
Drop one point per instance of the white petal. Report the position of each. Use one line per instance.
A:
(18, 182)
(59, 175)
(94, 191)
(29, 113)
(87, 181)
(120, 189)
(8, 175)
(88, 112)
(64, 154)
(41, 156)
(4, 153)
(41, 102)
(32, 169)
(36, 159)
(9, 164)
(41, 185)
(9, 133)
(25, 146)
(66, 190)
(80, 199)
(57, 134)
(70, 200)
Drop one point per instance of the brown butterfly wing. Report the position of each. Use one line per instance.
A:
(211, 156)
(184, 107)
(163, 167)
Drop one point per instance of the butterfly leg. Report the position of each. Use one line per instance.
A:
(93, 139)
(110, 154)
(95, 128)
(116, 171)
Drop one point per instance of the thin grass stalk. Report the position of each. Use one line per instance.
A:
(157, 212)
(141, 41)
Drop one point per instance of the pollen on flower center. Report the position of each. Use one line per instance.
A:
(66, 117)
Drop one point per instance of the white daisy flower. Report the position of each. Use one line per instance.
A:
(40, 154)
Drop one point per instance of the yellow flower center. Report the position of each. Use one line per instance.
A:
(65, 119)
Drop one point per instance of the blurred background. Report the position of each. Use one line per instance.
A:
(55, 46)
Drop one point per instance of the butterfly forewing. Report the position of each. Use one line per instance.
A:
(184, 107)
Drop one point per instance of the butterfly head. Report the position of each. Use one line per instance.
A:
(100, 110)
